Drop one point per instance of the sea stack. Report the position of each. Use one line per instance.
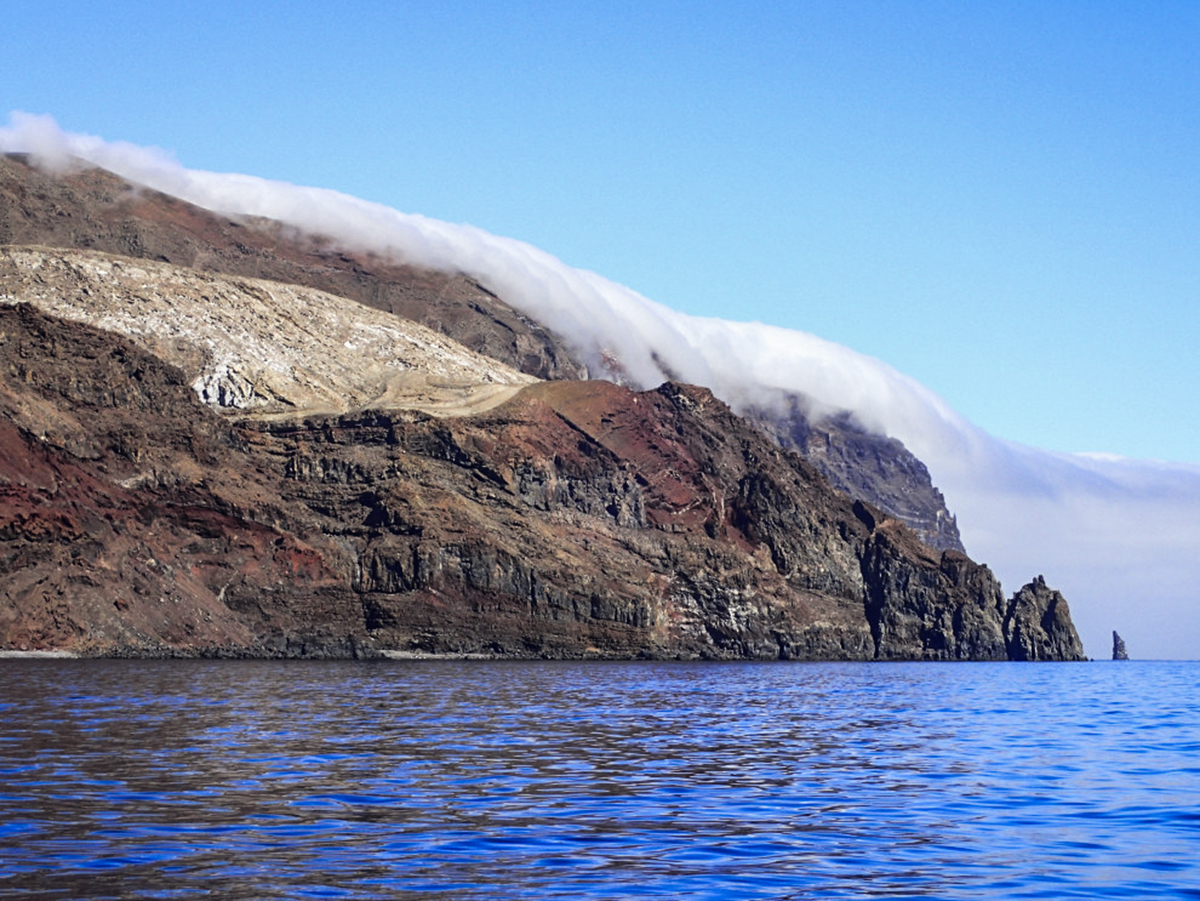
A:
(1119, 652)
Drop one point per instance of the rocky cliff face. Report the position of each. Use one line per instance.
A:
(93, 209)
(869, 467)
(575, 519)
(1038, 625)
(199, 461)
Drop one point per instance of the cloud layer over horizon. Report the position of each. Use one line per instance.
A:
(1120, 538)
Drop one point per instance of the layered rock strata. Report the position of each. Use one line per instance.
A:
(576, 519)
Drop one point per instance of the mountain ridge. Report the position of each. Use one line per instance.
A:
(90, 208)
(259, 346)
(572, 519)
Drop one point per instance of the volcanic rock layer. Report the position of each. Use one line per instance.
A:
(576, 519)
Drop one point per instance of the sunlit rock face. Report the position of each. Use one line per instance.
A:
(1037, 625)
(257, 346)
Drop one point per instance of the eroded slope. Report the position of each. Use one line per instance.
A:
(258, 346)
(94, 209)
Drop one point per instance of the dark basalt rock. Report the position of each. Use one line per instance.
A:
(1119, 652)
(1037, 625)
(881, 471)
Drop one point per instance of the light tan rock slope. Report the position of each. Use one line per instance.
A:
(257, 347)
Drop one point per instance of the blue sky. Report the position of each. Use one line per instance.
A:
(1000, 200)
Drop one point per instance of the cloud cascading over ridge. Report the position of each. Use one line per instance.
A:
(1120, 538)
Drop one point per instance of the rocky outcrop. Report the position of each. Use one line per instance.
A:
(577, 519)
(1118, 651)
(1037, 625)
(949, 607)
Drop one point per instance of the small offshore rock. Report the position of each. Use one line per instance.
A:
(1119, 652)
(1037, 625)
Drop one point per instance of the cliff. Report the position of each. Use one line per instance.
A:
(92, 209)
(866, 466)
(571, 519)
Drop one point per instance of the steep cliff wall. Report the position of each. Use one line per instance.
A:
(866, 466)
(577, 519)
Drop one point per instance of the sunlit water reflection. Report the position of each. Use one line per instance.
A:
(513, 780)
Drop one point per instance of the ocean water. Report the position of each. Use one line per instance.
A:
(422, 779)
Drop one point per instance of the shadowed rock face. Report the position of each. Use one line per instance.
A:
(577, 519)
(1119, 652)
(94, 209)
(878, 470)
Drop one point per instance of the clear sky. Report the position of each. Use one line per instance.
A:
(1000, 200)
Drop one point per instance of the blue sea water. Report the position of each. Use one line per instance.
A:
(422, 779)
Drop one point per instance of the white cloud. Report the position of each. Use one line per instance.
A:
(1120, 538)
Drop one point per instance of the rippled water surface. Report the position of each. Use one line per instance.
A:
(129, 779)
